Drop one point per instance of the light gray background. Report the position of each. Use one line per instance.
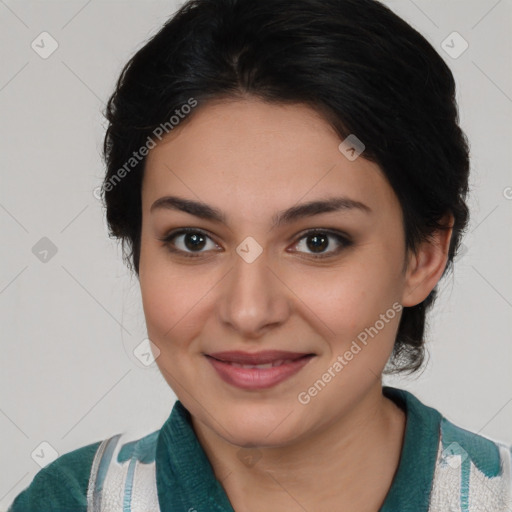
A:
(68, 376)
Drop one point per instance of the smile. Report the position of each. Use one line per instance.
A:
(258, 370)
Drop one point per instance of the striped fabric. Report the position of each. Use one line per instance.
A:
(123, 476)
(465, 473)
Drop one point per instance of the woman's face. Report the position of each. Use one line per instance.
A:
(246, 283)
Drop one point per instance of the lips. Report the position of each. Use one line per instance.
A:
(268, 357)
(257, 370)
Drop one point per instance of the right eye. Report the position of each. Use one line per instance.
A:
(192, 241)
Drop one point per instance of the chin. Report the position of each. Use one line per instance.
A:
(257, 439)
(258, 428)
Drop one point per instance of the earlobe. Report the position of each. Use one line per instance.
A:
(426, 266)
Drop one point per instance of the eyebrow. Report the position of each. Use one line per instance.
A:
(309, 209)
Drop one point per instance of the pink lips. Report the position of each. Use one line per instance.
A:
(258, 370)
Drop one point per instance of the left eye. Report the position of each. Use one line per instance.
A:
(194, 240)
(319, 241)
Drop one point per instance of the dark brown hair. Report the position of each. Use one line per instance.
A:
(356, 62)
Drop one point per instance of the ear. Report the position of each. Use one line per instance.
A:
(426, 267)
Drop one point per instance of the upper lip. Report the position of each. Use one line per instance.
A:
(263, 357)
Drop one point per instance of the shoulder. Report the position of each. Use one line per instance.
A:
(61, 486)
(486, 454)
(472, 471)
(123, 474)
(456, 468)
(92, 474)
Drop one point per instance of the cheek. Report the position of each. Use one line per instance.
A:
(174, 298)
(354, 304)
(161, 298)
(164, 305)
(348, 297)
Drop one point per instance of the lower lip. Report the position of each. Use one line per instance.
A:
(257, 378)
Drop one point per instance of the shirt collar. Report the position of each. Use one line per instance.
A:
(410, 490)
(186, 481)
(184, 475)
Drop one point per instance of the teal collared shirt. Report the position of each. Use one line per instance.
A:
(185, 478)
(441, 466)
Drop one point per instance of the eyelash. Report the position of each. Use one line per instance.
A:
(341, 239)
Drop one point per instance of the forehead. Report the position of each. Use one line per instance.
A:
(247, 153)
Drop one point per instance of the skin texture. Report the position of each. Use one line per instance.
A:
(251, 159)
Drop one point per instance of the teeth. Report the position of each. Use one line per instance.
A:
(265, 366)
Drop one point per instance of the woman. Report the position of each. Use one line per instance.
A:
(289, 178)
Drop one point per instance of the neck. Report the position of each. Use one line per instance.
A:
(350, 463)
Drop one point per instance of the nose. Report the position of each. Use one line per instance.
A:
(253, 298)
